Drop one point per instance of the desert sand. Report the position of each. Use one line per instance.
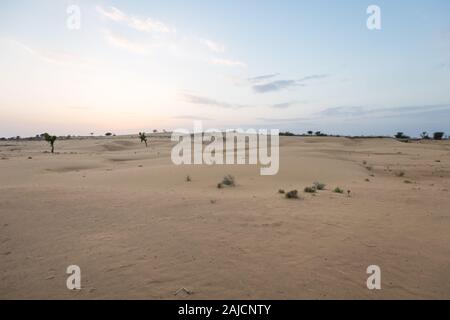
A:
(127, 216)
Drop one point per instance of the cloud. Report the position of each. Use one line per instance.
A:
(190, 117)
(168, 37)
(444, 65)
(124, 43)
(227, 63)
(393, 112)
(139, 24)
(284, 120)
(213, 46)
(276, 86)
(313, 77)
(357, 120)
(360, 113)
(211, 102)
(51, 56)
(262, 78)
(283, 105)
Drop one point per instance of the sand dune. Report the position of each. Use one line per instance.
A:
(126, 215)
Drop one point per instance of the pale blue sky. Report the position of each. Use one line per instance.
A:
(293, 65)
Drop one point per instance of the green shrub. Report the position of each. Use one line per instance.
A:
(438, 135)
(338, 190)
(310, 189)
(292, 194)
(319, 185)
(228, 180)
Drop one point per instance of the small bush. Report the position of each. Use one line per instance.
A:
(228, 181)
(281, 191)
(292, 194)
(400, 174)
(438, 135)
(188, 179)
(310, 190)
(401, 135)
(338, 190)
(319, 185)
(407, 181)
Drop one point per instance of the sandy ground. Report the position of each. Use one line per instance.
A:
(127, 216)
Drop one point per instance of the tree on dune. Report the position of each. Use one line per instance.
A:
(143, 138)
(50, 139)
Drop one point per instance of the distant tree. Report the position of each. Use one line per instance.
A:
(50, 139)
(155, 131)
(438, 135)
(310, 132)
(318, 133)
(425, 135)
(108, 134)
(401, 135)
(92, 133)
(143, 138)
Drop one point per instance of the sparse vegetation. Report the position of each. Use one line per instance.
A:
(401, 135)
(228, 180)
(281, 191)
(143, 138)
(50, 139)
(287, 134)
(319, 185)
(310, 190)
(438, 135)
(292, 194)
(407, 181)
(400, 174)
(338, 190)
(424, 135)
